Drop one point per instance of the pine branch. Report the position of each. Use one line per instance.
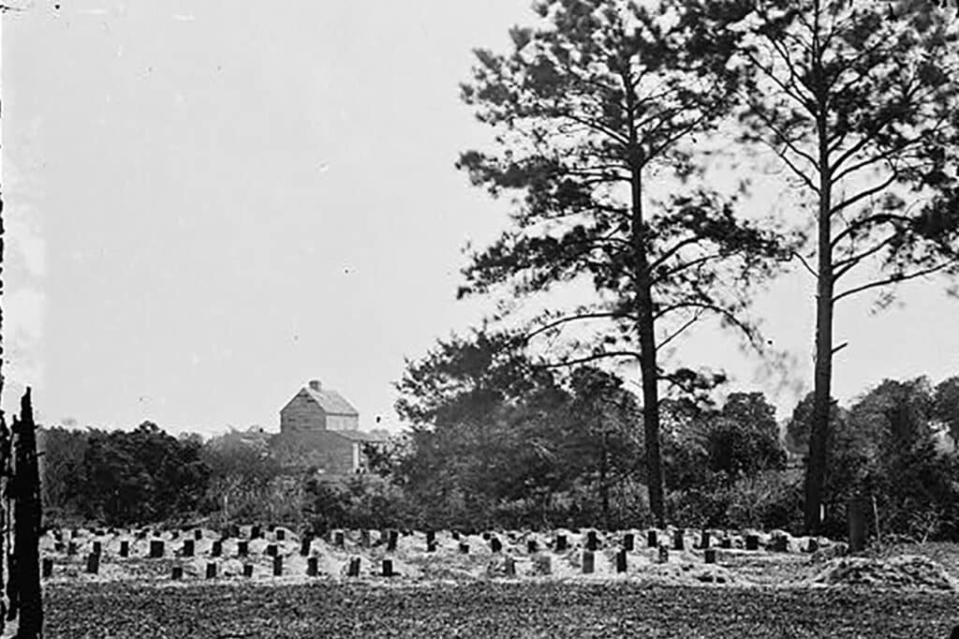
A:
(894, 279)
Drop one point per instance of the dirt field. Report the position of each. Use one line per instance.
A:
(491, 609)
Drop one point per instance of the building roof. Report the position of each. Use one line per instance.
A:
(330, 401)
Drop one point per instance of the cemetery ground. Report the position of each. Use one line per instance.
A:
(273, 583)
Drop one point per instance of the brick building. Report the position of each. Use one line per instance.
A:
(319, 429)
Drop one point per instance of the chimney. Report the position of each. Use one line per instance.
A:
(316, 385)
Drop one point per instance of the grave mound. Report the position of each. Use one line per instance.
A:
(904, 571)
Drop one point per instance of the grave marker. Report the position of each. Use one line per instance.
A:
(592, 541)
(663, 555)
(177, 573)
(704, 540)
(621, 561)
(242, 548)
(312, 567)
(338, 539)
(752, 542)
(652, 540)
(211, 570)
(495, 545)
(531, 546)
(248, 570)
(710, 555)
(387, 567)
(198, 534)
(353, 570)
(216, 549)
(272, 550)
(464, 548)
(305, 546)
(589, 562)
(391, 540)
(47, 567)
(561, 543)
(679, 541)
(277, 566)
(629, 542)
(188, 547)
(156, 548)
(97, 548)
(93, 563)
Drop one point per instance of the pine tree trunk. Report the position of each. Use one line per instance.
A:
(647, 356)
(822, 380)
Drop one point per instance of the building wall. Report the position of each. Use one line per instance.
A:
(302, 415)
(322, 449)
(342, 422)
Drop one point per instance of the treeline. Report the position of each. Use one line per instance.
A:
(504, 441)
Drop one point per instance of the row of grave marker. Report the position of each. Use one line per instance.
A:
(188, 549)
(353, 568)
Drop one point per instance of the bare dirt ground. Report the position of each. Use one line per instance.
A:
(900, 591)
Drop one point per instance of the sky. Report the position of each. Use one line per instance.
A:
(208, 204)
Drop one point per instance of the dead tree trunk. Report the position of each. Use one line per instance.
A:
(26, 520)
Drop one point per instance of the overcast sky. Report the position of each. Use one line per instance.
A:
(209, 203)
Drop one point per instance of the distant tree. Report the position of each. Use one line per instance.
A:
(859, 100)
(603, 442)
(588, 107)
(743, 439)
(61, 463)
(142, 475)
(946, 406)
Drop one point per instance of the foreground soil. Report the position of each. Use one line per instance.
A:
(489, 609)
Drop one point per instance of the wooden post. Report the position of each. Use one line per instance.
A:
(621, 561)
(589, 562)
(561, 543)
(93, 563)
(391, 539)
(354, 567)
(592, 542)
(679, 540)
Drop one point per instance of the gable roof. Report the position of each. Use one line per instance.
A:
(330, 401)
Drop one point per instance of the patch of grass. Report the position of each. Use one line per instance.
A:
(488, 609)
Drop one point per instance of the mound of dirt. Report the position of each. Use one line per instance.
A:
(904, 571)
